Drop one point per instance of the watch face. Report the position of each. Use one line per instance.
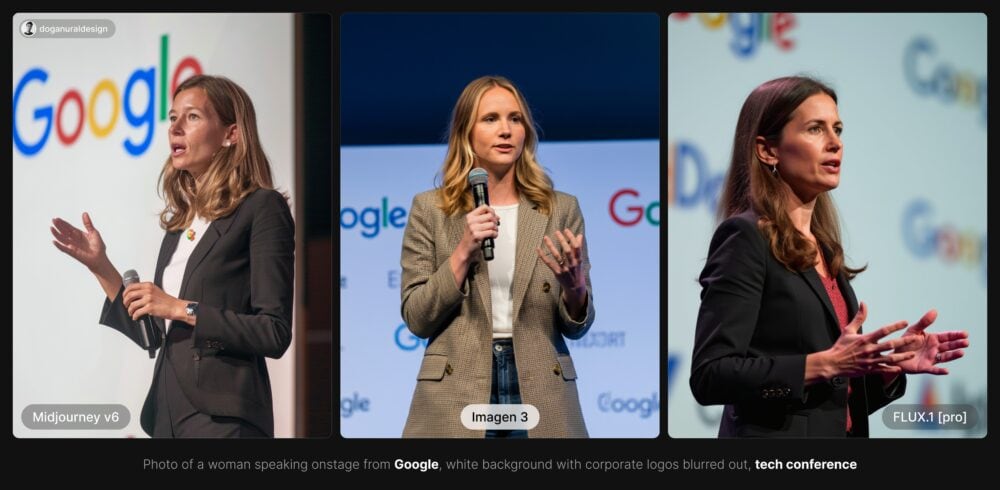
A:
(192, 308)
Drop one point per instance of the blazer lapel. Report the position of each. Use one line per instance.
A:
(812, 278)
(215, 231)
(531, 225)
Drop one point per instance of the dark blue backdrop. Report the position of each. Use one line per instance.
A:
(585, 76)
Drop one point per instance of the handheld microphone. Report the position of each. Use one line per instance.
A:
(149, 334)
(477, 180)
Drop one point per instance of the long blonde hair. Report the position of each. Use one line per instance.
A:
(530, 179)
(235, 171)
(751, 185)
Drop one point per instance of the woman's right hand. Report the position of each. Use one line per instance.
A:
(481, 223)
(87, 247)
(855, 354)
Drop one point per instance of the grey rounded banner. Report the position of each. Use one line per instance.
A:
(67, 28)
(75, 416)
(933, 417)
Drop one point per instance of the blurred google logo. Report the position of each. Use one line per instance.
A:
(931, 76)
(925, 238)
(690, 180)
(73, 111)
(750, 30)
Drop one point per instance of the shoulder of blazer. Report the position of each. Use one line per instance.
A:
(744, 224)
(566, 203)
(425, 205)
(261, 198)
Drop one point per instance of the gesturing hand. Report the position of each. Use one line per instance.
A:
(856, 354)
(931, 349)
(87, 247)
(567, 265)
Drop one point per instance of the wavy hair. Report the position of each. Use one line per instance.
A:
(750, 184)
(529, 177)
(235, 171)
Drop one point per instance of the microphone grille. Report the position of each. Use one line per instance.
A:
(478, 176)
(130, 277)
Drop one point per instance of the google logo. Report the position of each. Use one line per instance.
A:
(925, 239)
(690, 182)
(938, 79)
(749, 30)
(406, 340)
(72, 103)
(373, 219)
(636, 212)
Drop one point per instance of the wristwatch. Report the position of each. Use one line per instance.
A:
(191, 309)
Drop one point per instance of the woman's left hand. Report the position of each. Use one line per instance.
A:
(146, 298)
(566, 262)
(931, 349)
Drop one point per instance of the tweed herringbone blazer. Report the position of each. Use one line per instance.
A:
(457, 366)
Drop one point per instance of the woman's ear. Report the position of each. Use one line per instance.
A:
(766, 152)
(232, 135)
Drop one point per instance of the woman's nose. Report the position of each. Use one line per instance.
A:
(504, 127)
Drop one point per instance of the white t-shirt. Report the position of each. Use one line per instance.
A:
(502, 272)
(173, 274)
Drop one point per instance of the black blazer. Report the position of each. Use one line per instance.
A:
(756, 324)
(241, 275)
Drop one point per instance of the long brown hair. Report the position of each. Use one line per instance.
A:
(235, 171)
(751, 185)
(529, 177)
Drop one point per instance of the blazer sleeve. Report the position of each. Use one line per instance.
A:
(723, 369)
(115, 315)
(267, 329)
(879, 395)
(569, 327)
(429, 293)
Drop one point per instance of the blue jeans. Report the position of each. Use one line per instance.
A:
(506, 388)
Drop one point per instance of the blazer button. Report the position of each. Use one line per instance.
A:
(838, 380)
(557, 370)
(447, 369)
(546, 287)
(196, 357)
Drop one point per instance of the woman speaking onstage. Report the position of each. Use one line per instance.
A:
(223, 282)
(495, 327)
(779, 338)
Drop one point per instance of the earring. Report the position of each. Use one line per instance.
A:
(774, 170)
(225, 144)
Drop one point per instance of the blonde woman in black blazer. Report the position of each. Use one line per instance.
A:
(779, 336)
(233, 306)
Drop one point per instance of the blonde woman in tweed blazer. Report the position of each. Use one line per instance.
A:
(514, 352)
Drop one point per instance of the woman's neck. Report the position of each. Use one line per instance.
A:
(501, 186)
(801, 214)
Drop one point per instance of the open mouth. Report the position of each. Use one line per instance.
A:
(177, 149)
(832, 163)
